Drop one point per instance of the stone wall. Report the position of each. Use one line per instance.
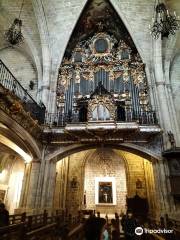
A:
(11, 177)
(75, 185)
(61, 184)
(76, 174)
(105, 163)
(135, 172)
(140, 178)
(48, 25)
(22, 68)
(175, 76)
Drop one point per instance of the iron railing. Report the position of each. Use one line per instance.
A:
(60, 120)
(8, 80)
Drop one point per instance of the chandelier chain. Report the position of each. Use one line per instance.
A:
(163, 23)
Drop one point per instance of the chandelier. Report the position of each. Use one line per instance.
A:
(14, 35)
(163, 22)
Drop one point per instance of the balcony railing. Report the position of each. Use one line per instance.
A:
(11, 83)
(60, 120)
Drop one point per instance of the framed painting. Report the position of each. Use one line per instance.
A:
(105, 191)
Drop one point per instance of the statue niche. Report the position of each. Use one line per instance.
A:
(101, 106)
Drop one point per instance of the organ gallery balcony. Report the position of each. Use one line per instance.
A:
(101, 116)
(16, 103)
(135, 128)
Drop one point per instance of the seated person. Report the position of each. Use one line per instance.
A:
(94, 228)
(130, 225)
(105, 233)
(115, 234)
(4, 215)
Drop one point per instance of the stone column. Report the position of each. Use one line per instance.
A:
(159, 195)
(168, 184)
(48, 187)
(44, 85)
(173, 114)
(166, 118)
(149, 186)
(40, 182)
(29, 187)
(162, 196)
(38, 185)
(61, 184)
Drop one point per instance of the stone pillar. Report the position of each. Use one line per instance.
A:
(173, 114)
(44, 86)
(29, 187)
(150, 186)
(40, 182)
(38, 186)
(48, 187)
(159, 195)
(161, 188)
(61, 184)
(171, 198)
(166, 118)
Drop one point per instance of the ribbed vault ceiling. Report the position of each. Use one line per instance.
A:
(46, 23)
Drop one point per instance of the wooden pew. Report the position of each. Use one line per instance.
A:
(17, 218)
(36, 221)
(40, 226)
(76, 233)
(43, 233)
(14, 232)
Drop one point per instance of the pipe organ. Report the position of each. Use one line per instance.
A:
(102, 59)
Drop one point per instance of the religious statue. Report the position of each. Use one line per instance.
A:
(171, 139)
(74, 182)
(139, 184)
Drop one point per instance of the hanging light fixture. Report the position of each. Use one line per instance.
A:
(163, 22)
(14, 35)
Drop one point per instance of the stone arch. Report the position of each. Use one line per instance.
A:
(20, 136)
(65, 151)
(123, 18)
(28, 49)
(128, 26)
(125, 22)
(132, 174)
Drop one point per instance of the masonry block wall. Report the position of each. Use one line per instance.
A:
(140, 178)
(75, 175)
(22, 68)
(61, 184)
(75, 183)
(104, 163)
(135, 173)
(11, 179)
(175, 77)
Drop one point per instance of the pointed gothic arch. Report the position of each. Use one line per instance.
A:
(101, 50)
